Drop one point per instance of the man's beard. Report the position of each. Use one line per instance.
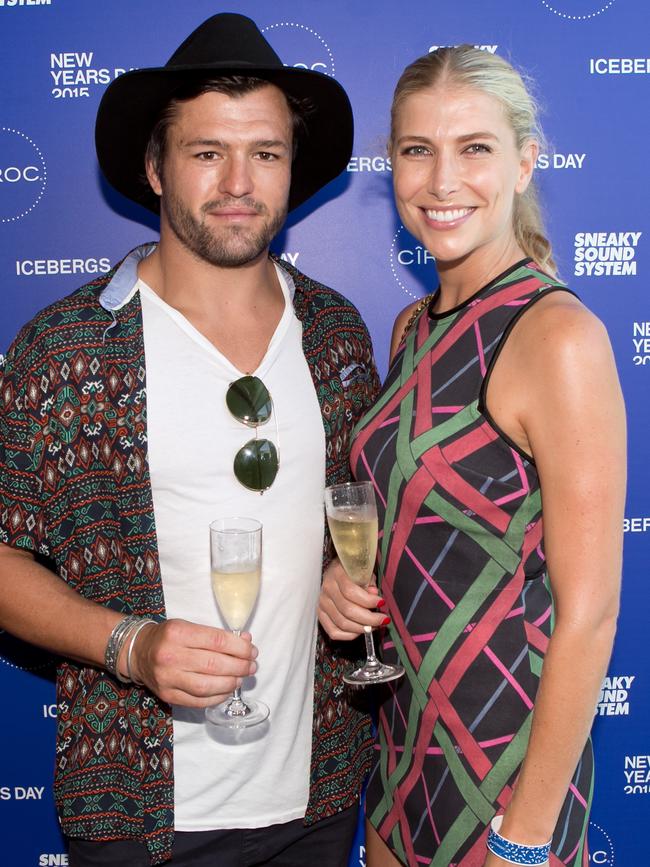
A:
(234, 245)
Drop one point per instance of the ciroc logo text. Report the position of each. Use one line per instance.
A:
(23, 175)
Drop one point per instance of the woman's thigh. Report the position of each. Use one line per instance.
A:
(377, 852)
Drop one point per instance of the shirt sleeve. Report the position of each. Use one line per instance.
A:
(22, 444)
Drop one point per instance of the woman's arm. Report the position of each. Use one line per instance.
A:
(344, 608)
(555, 388)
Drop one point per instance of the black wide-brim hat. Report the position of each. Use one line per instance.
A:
(225, 44)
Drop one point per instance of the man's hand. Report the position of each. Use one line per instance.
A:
(344, 608)
(191, 665)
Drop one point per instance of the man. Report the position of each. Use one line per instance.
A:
(112, 469)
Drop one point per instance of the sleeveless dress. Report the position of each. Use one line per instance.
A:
(461, 566)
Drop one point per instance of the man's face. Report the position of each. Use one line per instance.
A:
(225, 179)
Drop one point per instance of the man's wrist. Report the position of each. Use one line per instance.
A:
(132, 669)
(115, 644)
(119, 647)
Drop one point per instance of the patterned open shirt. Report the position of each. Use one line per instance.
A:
(75, 490)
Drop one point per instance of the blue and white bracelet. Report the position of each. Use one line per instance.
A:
(515, 853)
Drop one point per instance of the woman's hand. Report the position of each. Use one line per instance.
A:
(344, 608)
(493, 860)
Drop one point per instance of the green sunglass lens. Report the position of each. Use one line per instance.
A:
(248, 399)
(256, 464)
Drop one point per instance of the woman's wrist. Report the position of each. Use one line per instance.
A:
(531, 829)
(512, 851)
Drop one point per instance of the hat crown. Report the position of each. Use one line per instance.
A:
(226, 39)
(226, 44)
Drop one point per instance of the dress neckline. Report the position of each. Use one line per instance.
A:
(453, 310)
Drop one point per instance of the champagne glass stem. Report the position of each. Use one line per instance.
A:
(236, 706)
(372, 661)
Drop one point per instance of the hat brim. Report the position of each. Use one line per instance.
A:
(132, 103)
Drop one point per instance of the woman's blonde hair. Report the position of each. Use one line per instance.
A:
(469, 67)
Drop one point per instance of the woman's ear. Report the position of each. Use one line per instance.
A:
(528, 156)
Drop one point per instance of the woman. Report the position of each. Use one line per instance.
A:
(501, 404)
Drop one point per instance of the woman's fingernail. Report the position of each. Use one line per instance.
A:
(381, 603)
(385, 621)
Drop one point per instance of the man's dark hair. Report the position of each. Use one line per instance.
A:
(231, 85)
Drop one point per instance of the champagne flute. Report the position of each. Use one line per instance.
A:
(352, 518)
(235, 561)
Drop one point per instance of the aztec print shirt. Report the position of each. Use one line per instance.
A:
(75, 489)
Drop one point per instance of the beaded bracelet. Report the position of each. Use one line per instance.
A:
(515, 853)
(134, 634)
(116, 642)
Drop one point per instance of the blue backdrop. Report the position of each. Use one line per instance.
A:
(60, 225)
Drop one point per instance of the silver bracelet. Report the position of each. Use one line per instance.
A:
(134, 634)
(116, 642)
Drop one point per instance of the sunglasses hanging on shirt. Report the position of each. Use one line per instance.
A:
(257, 461)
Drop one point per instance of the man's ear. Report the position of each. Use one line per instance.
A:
(153, 177)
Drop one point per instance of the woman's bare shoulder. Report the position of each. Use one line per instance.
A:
(557, 323)
(399, 326)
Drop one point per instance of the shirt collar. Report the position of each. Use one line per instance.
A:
(123, 285)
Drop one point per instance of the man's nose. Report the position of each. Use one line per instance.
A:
(236, 179)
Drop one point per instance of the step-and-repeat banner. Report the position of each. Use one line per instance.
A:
(61, 225)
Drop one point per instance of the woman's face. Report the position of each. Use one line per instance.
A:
(456, 170)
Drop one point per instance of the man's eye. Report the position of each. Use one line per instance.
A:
(416, 151)
(266, 156)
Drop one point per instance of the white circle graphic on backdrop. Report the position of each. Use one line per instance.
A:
(601, 850)
(577, 10)
(23, 175)
(412, 266)
(300, 46)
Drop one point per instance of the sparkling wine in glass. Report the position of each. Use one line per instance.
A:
(236, 562)
(352, 518)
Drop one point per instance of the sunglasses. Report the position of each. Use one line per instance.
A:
(257, 461)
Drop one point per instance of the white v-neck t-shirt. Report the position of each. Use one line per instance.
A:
(259, 776)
